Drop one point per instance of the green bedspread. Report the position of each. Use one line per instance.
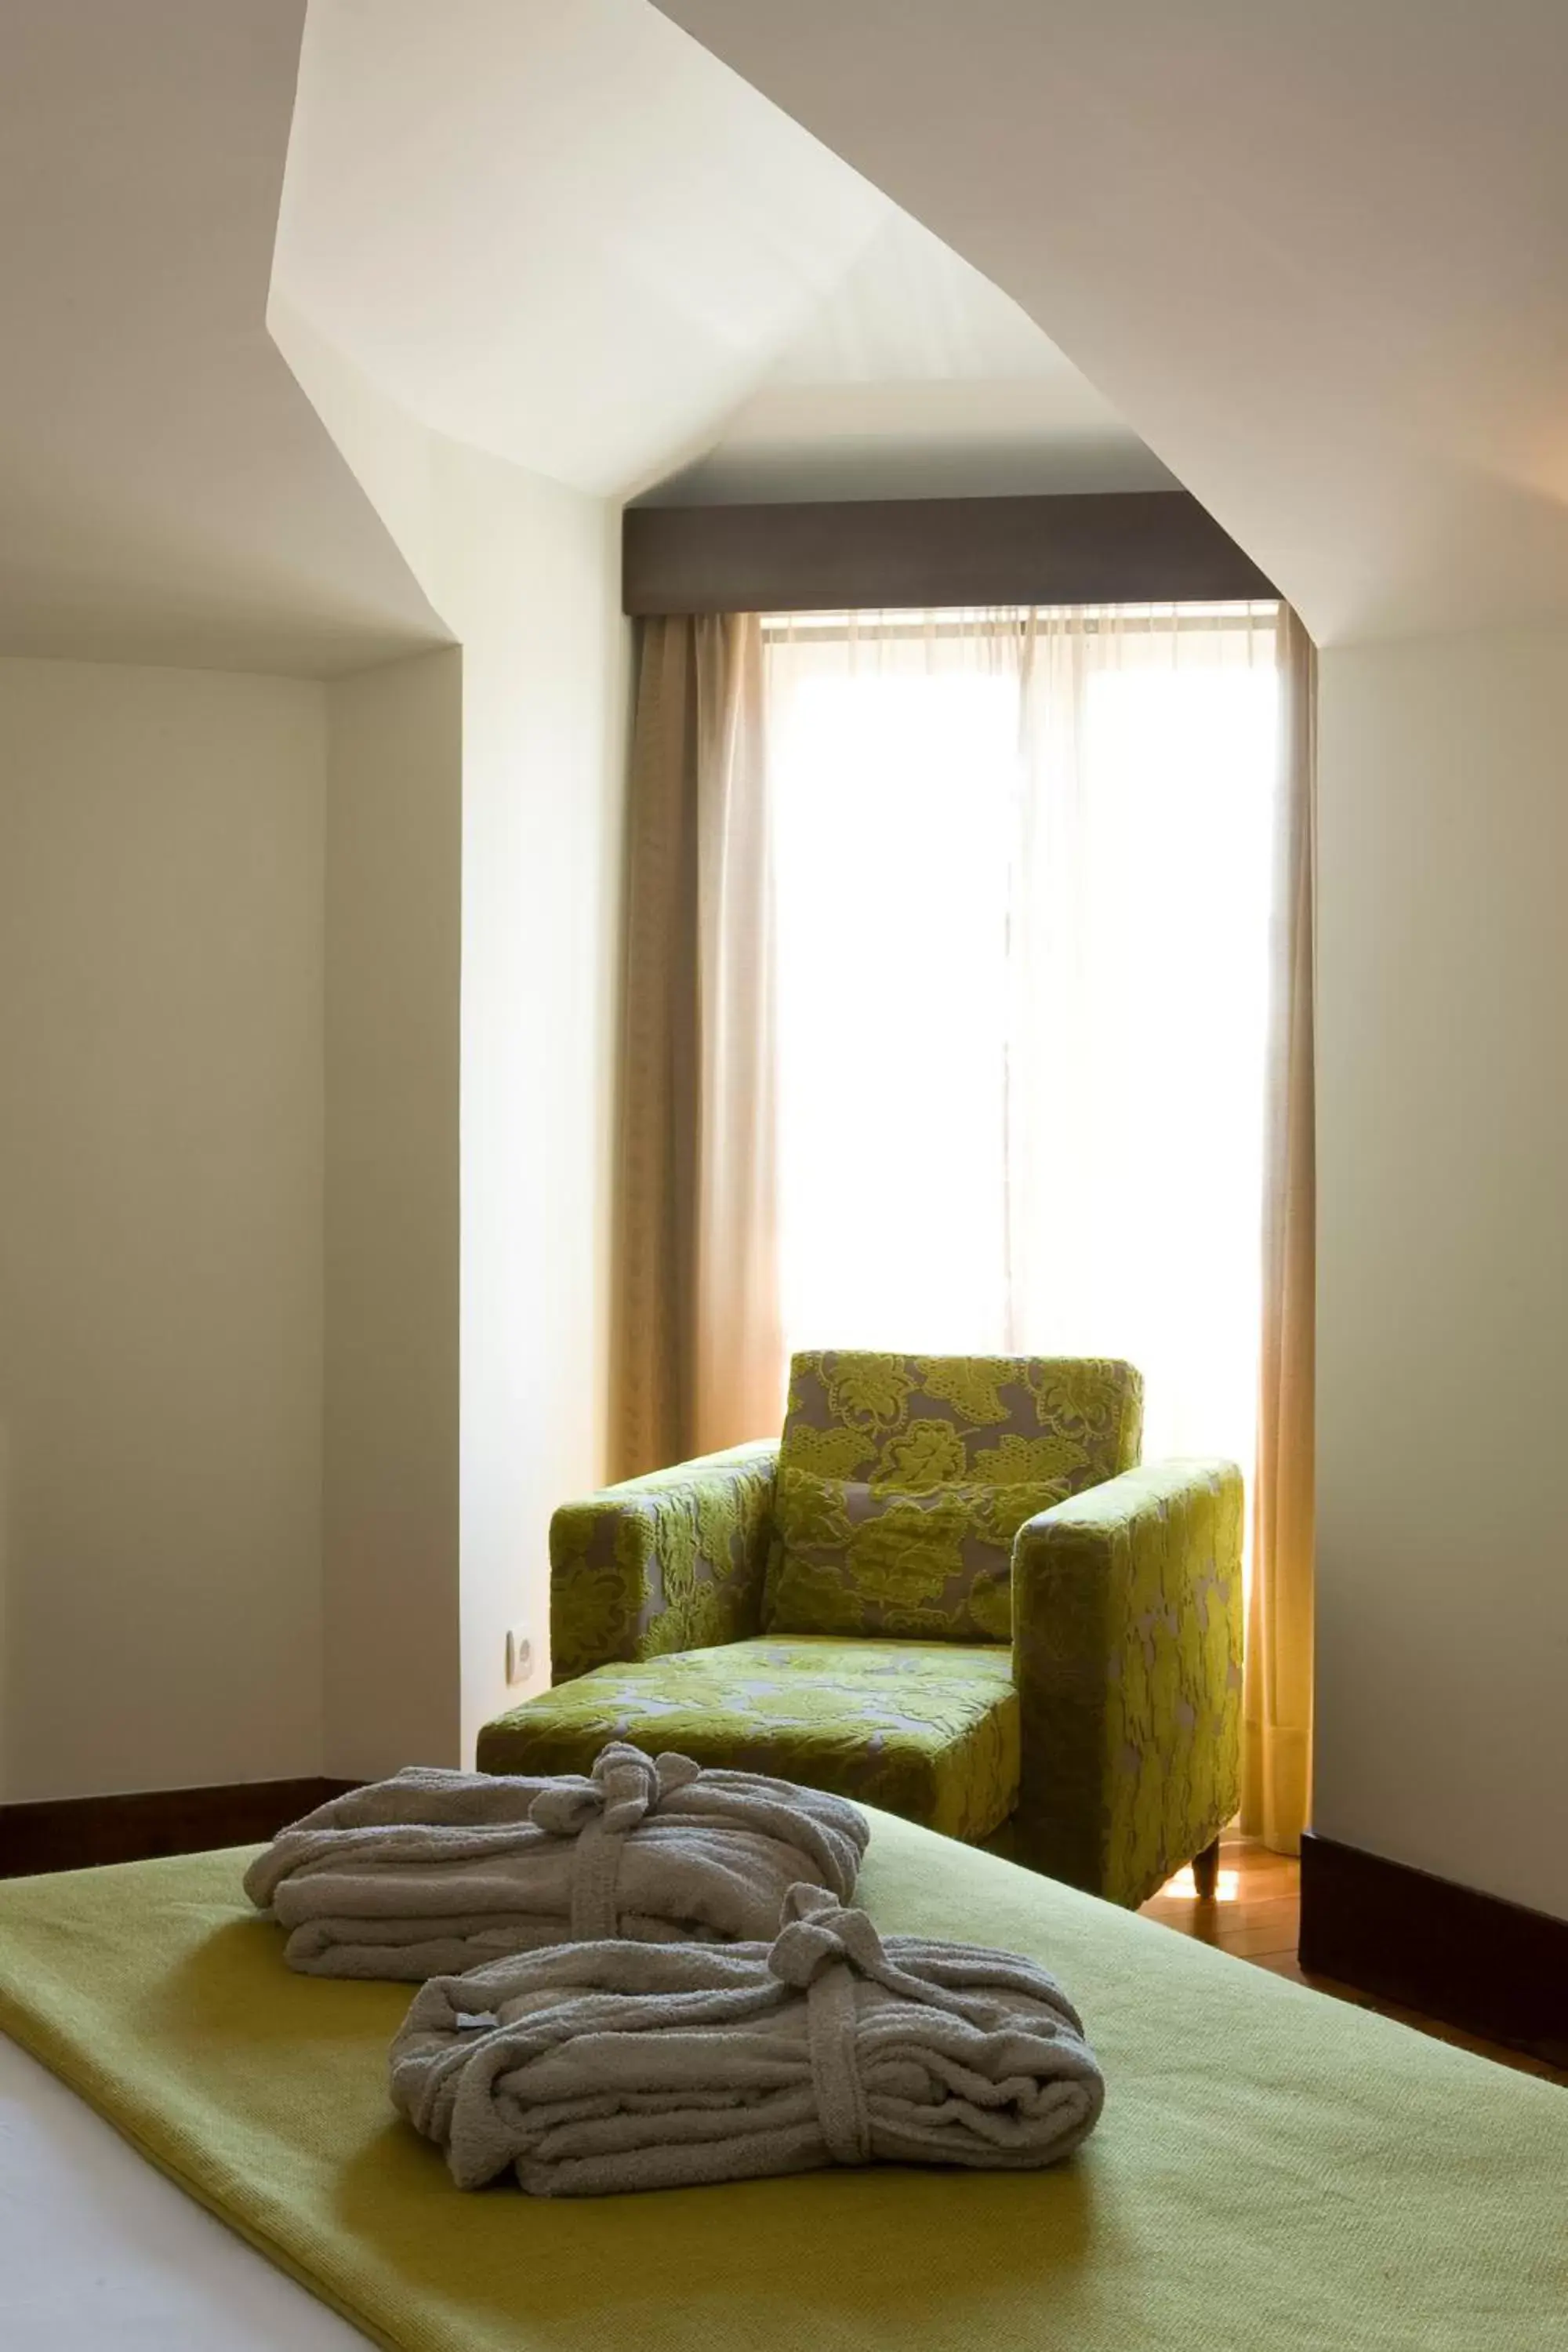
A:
(1273, 2169)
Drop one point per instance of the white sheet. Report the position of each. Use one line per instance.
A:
(97, 2247)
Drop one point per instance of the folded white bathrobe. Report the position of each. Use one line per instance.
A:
(433, 1871)
(602, 2067)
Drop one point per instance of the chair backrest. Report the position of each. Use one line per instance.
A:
(918, 1422)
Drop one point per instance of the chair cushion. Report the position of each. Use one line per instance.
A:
(929, 1730)
(855, 1558)
(918, 1421)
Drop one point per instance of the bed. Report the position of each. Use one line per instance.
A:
(1273, 2168)
(97, 2247)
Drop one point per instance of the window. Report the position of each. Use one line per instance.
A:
(1021, 862)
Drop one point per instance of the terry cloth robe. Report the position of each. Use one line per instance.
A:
(604, 2067)
(434, 1871)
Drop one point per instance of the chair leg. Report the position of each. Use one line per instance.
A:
(1206, 1871)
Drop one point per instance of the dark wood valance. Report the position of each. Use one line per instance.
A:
(1129, 547)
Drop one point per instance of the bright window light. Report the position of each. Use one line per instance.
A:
(1023, 871)
(1184, 1886)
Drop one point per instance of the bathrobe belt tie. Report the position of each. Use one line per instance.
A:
(820, 1950)
(600, 1810)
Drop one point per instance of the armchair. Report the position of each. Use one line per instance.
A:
(948, 1590)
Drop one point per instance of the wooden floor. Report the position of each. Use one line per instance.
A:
(1256, 1914)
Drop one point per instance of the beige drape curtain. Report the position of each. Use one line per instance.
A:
(695, 1350)
(697, 1345)
(1278, 1693)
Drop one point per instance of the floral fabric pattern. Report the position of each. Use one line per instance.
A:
(1104, 1748)
(671, 1561)
(918, 1421)
(924, 1729)
(935, 1564)
(883, 1427)
(1127, 1630)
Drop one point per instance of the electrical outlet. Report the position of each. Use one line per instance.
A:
(518, 1654)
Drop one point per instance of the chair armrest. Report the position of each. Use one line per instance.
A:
(672, 1561)
(1127, 1629)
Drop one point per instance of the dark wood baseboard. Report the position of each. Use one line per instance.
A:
(80, 1833)
(1470, 1959)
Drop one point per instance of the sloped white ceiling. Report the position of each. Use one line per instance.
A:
(557, 229)
(1315, 256)
(167, 494)
(561, 231)
(916, 377)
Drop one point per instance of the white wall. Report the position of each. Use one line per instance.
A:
(393, 909)
(531, 584)
(1442, 1735)
(306, 996)
(167, 495)
(526, 573)
(161, 1167)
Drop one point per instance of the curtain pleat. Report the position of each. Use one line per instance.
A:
(696, 1351)
(1278, 1691)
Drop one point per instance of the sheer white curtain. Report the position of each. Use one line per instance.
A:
(1022, 863)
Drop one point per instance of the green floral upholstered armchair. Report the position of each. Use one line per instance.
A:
(949, 1590)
